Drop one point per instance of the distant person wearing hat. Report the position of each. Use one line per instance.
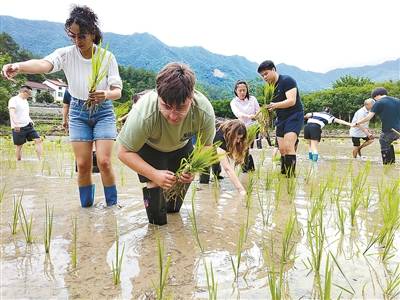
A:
(388, 110)
(361, 132)
(21, 122)
(289, 111)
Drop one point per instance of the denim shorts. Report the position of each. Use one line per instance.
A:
(87, 126)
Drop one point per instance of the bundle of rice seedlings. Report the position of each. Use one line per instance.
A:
(98, 73)
(252, 131)
(264, 116)
(198, 161)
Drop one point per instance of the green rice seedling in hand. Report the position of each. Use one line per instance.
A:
(199, 161)
(252, 131)
(117, 267)
(48, 228)
(263, 116)
(98, 73)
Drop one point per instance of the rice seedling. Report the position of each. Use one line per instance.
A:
(249, 189)
(288, 247)
(2, 193)
(275, 278)
(240, 244)
(215, 188)
(352, 292)
(341, 217)
(192, 217)
(117, 267)
(316, 239)
(98, 73)
(392, 289)
(325, 293)
(25, 224)
(163, 269)
(74, 253)
(212, 285)
(252, 131)
(48, 228)
(201, 158)
(291, 183)
(16, 206)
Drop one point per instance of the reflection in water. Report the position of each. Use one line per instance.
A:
(220, 213)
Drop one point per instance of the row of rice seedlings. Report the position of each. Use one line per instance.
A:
(192, 217)
(240, 244)
(16, 208)
(212, 284)
(117, 267)
(163, 269)
(74, 252)
(25, 224)
(199, 161)
(48, 228)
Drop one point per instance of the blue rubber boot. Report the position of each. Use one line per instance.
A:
(86, 194)
(315, 157)
(110, 192)
(310, 155)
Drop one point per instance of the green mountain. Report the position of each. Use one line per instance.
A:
(218, 72)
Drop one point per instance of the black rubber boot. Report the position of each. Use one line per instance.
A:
(248, 165)
(174, 205)
(154, 202)
(259, 143)
(290, 165)
(205, 177)
(283, 167)
(388, 156)
(216, 169)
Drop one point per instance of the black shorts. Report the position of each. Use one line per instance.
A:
(292, 124)
(26, 133)
(356, 140)
(312, 131)
(164, 160)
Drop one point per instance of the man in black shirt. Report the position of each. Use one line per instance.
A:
(388, 110)
(289, 111)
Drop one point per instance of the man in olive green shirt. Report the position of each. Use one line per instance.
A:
(157, 134)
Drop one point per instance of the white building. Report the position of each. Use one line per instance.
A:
(56, 87)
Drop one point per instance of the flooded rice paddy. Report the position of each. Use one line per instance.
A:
(331, 232)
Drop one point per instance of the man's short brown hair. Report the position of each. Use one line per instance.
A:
(175, 83)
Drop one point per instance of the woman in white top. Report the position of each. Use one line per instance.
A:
(85, 126)
(245, 108)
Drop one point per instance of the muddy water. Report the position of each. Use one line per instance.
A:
(26, 272)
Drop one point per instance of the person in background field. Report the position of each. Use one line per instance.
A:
(289, 110)
(21, 122)
(86, 126)
(361, 132)
(388, 110)
(232, 134)
(157, 136)
(313, 129)
(245, 108)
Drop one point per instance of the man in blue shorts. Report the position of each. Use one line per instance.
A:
(289, 111)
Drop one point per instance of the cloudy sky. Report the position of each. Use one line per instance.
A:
(315, 35)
